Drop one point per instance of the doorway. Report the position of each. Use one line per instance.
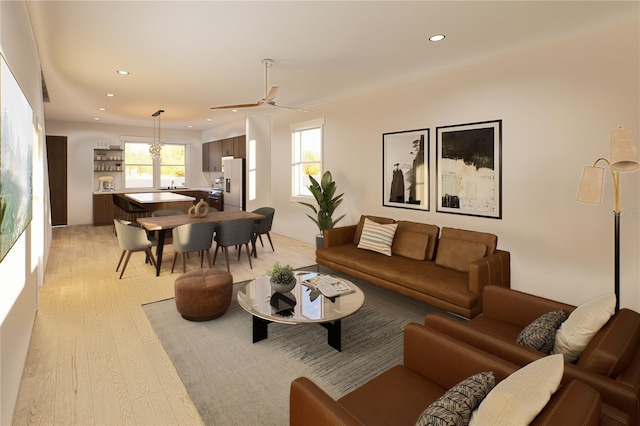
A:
(57, 166)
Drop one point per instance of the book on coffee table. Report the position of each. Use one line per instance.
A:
(329, 286)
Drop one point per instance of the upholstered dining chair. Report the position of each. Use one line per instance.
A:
(192, 237)
(263, 226)
(237, 232)
(131, 239)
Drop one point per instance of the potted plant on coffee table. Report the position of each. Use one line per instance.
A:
(282, 278)
(324, 193)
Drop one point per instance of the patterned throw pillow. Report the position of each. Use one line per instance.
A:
(456, 405)
(377, 237)
(541, 333)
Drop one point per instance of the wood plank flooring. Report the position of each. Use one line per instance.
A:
(94, 358)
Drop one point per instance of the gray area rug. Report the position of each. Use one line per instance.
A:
(235, 382)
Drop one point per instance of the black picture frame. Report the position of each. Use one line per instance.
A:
(405, 169)
(469, 169)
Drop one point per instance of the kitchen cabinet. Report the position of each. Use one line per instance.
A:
(103, 210)
(212, 156)
(240, 147)
(212, 152)
(228, 147)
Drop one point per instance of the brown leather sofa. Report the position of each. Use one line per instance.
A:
(426, 264)
(433, 363)
(610, 363)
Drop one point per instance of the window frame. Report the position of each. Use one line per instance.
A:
(317, 123)
(156, 178)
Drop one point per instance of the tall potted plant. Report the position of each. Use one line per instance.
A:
(324, 193)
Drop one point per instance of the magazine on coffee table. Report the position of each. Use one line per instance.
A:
(329, 286)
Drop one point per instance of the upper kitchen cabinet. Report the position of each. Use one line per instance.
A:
(212, 152)
(240, 146)
(227, 147)
(212, 156)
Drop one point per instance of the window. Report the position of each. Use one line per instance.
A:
(140, 171)
(307, 155)
(252, 170)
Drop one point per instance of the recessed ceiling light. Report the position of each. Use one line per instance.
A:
(123, 72)
(234, 110)
(109, 95)
(102, 109)
(437, 37)
(208, 119)
(190, 126)
(96, 118)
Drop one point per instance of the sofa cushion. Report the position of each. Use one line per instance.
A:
(541, 333)
(377, 237)
(519, 398)
(458, 254)
(583, 323)
(377, 219)
(423, 228)
(489, 240)
(410, 244)
(457, 404)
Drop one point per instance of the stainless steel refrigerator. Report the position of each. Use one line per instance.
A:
(234, 192)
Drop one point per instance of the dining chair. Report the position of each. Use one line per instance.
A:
(237, 232)
(192, 237)
(263, 226)
(131, 239)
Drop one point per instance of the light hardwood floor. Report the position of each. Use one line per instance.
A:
(94, 358)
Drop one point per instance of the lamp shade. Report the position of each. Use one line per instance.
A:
(590, 190)
(624, 151)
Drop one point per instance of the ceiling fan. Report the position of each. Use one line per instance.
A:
(270, 95)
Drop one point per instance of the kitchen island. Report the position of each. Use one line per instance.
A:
(153, 201)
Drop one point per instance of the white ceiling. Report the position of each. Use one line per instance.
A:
(186, 56)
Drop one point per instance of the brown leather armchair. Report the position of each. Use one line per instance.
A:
(433, 363)
(610, 363)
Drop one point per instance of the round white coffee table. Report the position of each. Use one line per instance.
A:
(302, 305)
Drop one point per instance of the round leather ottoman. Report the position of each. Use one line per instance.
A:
(203, 294)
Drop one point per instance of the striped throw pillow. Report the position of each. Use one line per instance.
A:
(377, 237)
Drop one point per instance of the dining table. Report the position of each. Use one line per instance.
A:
(164, 224)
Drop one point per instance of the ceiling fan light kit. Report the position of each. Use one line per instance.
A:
(270, 94)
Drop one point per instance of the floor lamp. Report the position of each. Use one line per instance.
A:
(623, 158)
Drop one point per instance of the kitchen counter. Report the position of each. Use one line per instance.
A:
(150, 190)
(158, 197)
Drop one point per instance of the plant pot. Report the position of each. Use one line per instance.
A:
(319, 241)
(282, 288)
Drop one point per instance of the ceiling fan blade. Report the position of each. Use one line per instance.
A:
(288, 107)
(238, 106)
(273, 93)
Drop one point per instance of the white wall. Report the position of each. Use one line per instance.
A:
(23, 266)
(82, 139)
(259, 129)
(558, 103)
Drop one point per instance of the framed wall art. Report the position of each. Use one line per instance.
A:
(16, 141)
(405, 174)
(469, 169)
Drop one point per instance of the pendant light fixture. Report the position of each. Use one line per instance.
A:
(156, 145)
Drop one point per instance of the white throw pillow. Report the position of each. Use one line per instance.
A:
(519, 398)
(377, 237)
(583, 323)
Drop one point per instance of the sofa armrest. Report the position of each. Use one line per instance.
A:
(339, 236)
(616, 394)
(510, 351)
(311, 406)
(445, 360)
(574, 403)
(517, 308)
(494, 269)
